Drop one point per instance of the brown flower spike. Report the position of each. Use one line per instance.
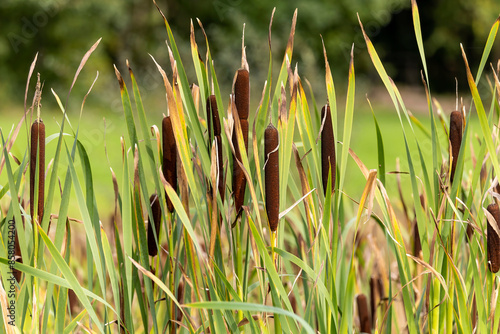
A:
(456, 124)
(169, 163)
(242, 103)
(37, 148)
(214, 122)
(327, 149)
(493, 240)
(272, 176)
(364, 314)
(154, 221)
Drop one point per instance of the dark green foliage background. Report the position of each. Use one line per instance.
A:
(61, 29)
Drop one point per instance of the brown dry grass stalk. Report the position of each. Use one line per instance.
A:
(37, 157)
(364, 314)
(327, 149)
(169, 163)
(154, 220)
(493, 240)
(272, 176)
(456, 125)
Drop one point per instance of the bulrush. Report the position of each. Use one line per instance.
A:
(327, 148)
(363, 313)
(493, 239)
(169, 163)
(242, 93)
(154, 221)
(214, 123)
(242, 103)
(456, 124)
(37, 157)
(272, 176)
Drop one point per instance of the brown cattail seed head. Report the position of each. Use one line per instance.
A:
(154, 221)
(327, 149)
(242, 93)
(373, 293)
(169, 164)
(456, 124)
(493, 240)
(214, 122)
(180, 298)
(239, 181)
(37, 146)
(417, 246)
(213, 117)
(364, 315)
(272, 176)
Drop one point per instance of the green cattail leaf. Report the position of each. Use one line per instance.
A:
(252, 308)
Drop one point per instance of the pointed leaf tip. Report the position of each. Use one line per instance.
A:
(119, 77)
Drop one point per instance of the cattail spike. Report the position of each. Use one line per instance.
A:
(154, 220)
(272, 176)
(214, 123)
(169, 164)
(239, 181)
(364, 315)
(213, 119)
(328, 162)
(456, 124)
(242, 93)
(37, 157)
(493, 239)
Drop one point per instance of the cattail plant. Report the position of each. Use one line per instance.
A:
(272, 176)
(328, 163)
(214, 123)
(37, 159)
(169, 163)
(456, 124)
(154, 222)
(242, 103)
(242, 93)
(493, 239)
(364, 314)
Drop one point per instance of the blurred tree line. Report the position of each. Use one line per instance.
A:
(62, 30)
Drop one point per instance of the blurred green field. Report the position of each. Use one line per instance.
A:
(100, 130)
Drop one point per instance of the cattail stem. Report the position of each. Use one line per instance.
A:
(37, 159)
(169, 163)
(328, 162)
(456, 124)
(154, 221)
(493, 239)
